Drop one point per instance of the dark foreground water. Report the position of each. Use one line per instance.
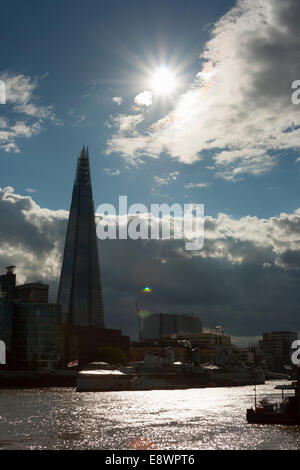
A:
(211, 418)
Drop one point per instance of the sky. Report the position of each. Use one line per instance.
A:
(224, 132)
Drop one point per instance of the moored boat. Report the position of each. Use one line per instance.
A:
(285, 412)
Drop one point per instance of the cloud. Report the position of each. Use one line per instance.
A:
(29, 115)
(118, 100)
(160, 181)
(173, 176)
(127, 123)
(77, 117)
(239, 106)
(31, 236)
(246, 278)
(196, 185)
(144, 98)
(111, 172)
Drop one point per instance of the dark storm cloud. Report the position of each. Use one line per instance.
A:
(246, 277)
(245, 298)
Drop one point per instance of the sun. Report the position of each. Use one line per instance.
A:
(163, 81)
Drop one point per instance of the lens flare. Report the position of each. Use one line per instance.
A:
(144, 314)
(147, 290)
(141, 444)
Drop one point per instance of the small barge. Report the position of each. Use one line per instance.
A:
(285, 412)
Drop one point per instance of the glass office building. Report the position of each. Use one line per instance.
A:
(36, 338)
(163, 325)
(6, 318)
(80, 293)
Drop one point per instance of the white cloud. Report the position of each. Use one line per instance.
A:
(160, 181)
(31, 236)
(21, 99)
(118, 100)
(144, 98)
(174, 175)
(111, 172)
(20, 91)
(3, 123)
(196, 185)
(77, 117)
(127, 123)
(239, 106)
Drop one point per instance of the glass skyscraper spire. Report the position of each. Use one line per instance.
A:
(80, 293)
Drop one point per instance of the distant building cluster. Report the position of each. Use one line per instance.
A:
(178, 331)
(183, 333)
(276, 349)
(39, 334)
(42, 335)
(29, 324)
(162, 325)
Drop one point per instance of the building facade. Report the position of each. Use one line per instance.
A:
(29, 325)
(6, 322)
(164, 325)
(32, 292)
(80, 292)
(277, 349)
(8, 282)
(43, 335)
(36, 335)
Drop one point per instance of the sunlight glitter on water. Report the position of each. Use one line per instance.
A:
(211, 418)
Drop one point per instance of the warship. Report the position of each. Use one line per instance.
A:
(155, 373)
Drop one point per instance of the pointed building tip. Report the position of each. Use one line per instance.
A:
(84, 152)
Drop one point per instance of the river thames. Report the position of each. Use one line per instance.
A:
(211, 418)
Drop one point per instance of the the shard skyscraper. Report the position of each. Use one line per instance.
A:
(80, 293)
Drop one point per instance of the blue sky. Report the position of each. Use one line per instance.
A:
(90, 53)
(85, 54)
(227, 136)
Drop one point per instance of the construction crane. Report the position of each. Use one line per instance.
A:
(139, 321)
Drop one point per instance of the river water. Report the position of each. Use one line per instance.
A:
(211, 418)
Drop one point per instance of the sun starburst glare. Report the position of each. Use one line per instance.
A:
(163, 81)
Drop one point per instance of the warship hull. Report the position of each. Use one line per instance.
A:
(164, 381)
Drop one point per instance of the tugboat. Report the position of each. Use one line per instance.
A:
(286, 412)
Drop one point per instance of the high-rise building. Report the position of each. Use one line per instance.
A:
(8, 282)
(162, 325)
(6, 319)
(80, 293)
(36, 335)
(32, 292)
(29, 325)
(276, 347)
